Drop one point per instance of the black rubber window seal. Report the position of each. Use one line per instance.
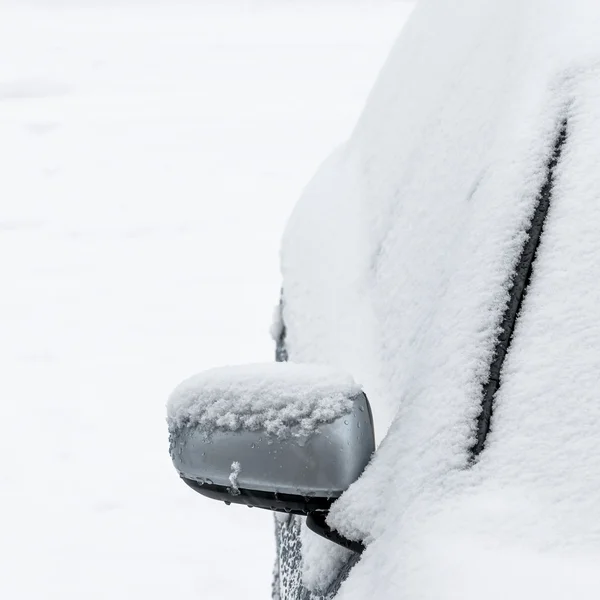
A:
(520, 282)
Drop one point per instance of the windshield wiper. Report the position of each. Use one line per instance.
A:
(520, 282)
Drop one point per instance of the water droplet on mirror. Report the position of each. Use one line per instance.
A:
(345, 422)
(361, 408)
(358, 425)
(253, 446)
(227, 502)
(209, 481)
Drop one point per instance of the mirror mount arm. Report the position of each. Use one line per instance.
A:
(316, 523)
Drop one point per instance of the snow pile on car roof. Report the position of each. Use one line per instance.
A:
(398, 262)
(280, 398)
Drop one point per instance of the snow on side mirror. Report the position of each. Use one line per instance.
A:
(281, 436)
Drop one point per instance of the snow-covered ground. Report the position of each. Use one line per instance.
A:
(149, 157)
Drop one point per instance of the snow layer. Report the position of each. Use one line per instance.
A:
(236, 469)
(322, 560)
(397, 264)
(281, 399)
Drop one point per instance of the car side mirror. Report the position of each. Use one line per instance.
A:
(281, 436)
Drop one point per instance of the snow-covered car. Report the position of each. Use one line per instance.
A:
(448, 257)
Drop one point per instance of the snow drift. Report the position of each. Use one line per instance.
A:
(397, 266)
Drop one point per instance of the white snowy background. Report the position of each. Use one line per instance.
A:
(149, 156)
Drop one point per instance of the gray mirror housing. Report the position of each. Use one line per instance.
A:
(281, 436)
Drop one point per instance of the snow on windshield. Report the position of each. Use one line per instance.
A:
(280, 398)
(398, 263)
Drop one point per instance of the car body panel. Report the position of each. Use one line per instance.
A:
(398, 265)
